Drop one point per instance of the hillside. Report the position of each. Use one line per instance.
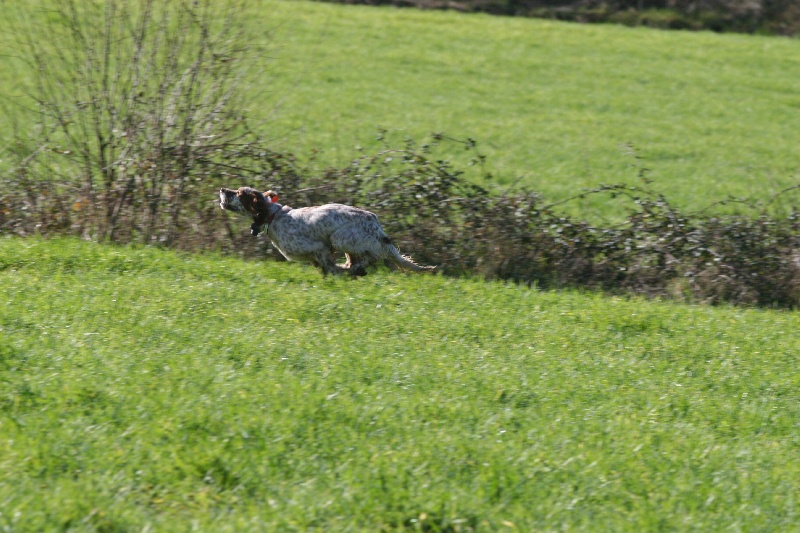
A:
(559, 106)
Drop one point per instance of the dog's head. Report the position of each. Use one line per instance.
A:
(247, 201)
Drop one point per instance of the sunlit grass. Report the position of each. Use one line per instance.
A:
(555, 104)
(145, 387)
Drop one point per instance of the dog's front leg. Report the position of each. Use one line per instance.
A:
(327, 262)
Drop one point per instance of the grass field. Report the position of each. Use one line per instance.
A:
(143, 389)
(551, 103)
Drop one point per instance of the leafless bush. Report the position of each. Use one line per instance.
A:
(137, 110)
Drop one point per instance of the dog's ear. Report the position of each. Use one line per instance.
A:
(250, 199)
(271, 196)
(248, 193)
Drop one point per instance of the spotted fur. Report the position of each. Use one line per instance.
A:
(317, 234)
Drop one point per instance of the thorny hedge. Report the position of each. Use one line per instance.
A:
(433, 211)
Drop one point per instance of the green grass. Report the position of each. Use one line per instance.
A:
(549, 102)
(141, 388)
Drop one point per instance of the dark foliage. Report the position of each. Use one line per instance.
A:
(780, 17)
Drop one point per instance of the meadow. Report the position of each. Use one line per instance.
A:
(144, 389)
(555, 107)
(148, 389)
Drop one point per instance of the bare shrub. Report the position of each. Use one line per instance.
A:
(138, 108)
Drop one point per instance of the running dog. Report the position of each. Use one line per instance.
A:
(317, 234)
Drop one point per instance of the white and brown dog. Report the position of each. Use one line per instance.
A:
(317, 234)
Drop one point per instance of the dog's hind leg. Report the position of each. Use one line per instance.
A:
(361, 250)
(359, 264)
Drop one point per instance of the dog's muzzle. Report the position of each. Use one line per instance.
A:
(229, 201)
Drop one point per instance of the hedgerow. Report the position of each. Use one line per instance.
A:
(432, 210)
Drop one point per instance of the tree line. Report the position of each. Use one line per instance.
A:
(772, 17)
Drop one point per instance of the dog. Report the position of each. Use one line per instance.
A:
(317, 234)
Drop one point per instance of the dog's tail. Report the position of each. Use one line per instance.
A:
(403, 261)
